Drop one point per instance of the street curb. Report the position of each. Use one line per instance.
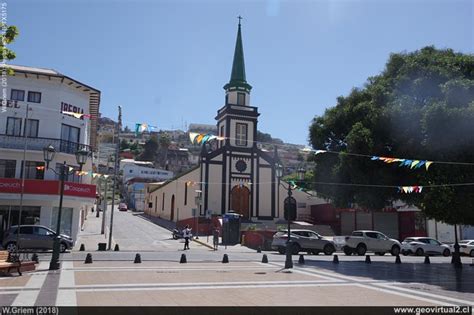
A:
(203, 244)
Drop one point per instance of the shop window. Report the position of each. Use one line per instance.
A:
(33, 170)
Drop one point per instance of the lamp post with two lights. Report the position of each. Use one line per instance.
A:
(81, 157)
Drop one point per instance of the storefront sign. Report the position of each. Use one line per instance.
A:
(80, 190)
(65, 107)
(46, 187)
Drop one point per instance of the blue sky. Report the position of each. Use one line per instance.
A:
(165, 62)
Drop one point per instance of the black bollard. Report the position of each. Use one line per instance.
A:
(427, 259)
(138, 259)
(116, 248)
(88, 259)
(183, 259)
(82, 248)
(367, 259)
(225, 259)
(335, 259)
(301, 260)
(259, 249)
(35, 258)
(265, 259)
(398, 260)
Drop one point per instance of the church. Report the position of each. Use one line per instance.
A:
(233, 173)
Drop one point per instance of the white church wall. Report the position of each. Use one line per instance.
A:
(265, 187)
(215, 189)
(182, 206)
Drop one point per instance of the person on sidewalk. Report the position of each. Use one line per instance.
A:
(215, 238)
(187, 235)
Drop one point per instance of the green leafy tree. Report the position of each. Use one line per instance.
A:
(7, 36)
(164, 142)
(124, 145)
(422, 107)
(150, 149)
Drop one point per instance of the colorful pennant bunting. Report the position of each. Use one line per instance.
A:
(144, 127)
(412, 164)
(200, 138)
(410, 189)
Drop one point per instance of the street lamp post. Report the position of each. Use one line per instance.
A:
(289, 212)
(81, 158)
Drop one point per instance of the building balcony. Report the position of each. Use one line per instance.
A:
(38, 143)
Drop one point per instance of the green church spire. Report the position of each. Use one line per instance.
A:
(237, 78)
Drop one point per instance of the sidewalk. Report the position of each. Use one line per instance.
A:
(90, 236)
(202, 240)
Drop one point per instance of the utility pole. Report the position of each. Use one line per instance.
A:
(117, 151)
(23, 169)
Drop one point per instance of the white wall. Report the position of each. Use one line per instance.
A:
(53, 92)
(176, 188)
(132, 170)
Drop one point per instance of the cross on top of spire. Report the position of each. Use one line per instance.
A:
(240, 18)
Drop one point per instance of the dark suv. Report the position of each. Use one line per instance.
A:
(34, 237)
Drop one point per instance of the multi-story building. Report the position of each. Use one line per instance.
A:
(23, 135)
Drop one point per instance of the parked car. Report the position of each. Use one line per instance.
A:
(34, 237)
(363, 241)
(467, 247)
(123, 206)
(424, 246)
(303, 240)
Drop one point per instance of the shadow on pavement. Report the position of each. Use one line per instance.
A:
(443, 275)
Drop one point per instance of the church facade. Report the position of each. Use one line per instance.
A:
(233, 173)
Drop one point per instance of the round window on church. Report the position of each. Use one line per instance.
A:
(241, 166)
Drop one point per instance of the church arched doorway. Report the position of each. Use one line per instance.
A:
(239, 200)
(172, 209)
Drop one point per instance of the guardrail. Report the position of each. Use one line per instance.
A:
(38, 143)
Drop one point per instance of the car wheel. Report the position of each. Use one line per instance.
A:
(347, 251)
(404, 253)
(329, 249)
(446, 252)
(419, 252)
(11, 247)
(281, 250)
(62, 247)
(395, 251)
(295, 249)
(471, 253)
(361, 249)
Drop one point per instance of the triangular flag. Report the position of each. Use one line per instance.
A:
(199, 138)
(192, 136)
(374, 158)
(205, 138)
(420, 189)
(414, 163)
(420, 164)
(427, 164)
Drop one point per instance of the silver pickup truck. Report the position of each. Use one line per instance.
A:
(363, 241)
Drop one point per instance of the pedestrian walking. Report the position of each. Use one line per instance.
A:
(215, 238)
(187, 235)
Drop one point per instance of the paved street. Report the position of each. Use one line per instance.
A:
(113, 278)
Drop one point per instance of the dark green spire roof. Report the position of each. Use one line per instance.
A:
(237, 78)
